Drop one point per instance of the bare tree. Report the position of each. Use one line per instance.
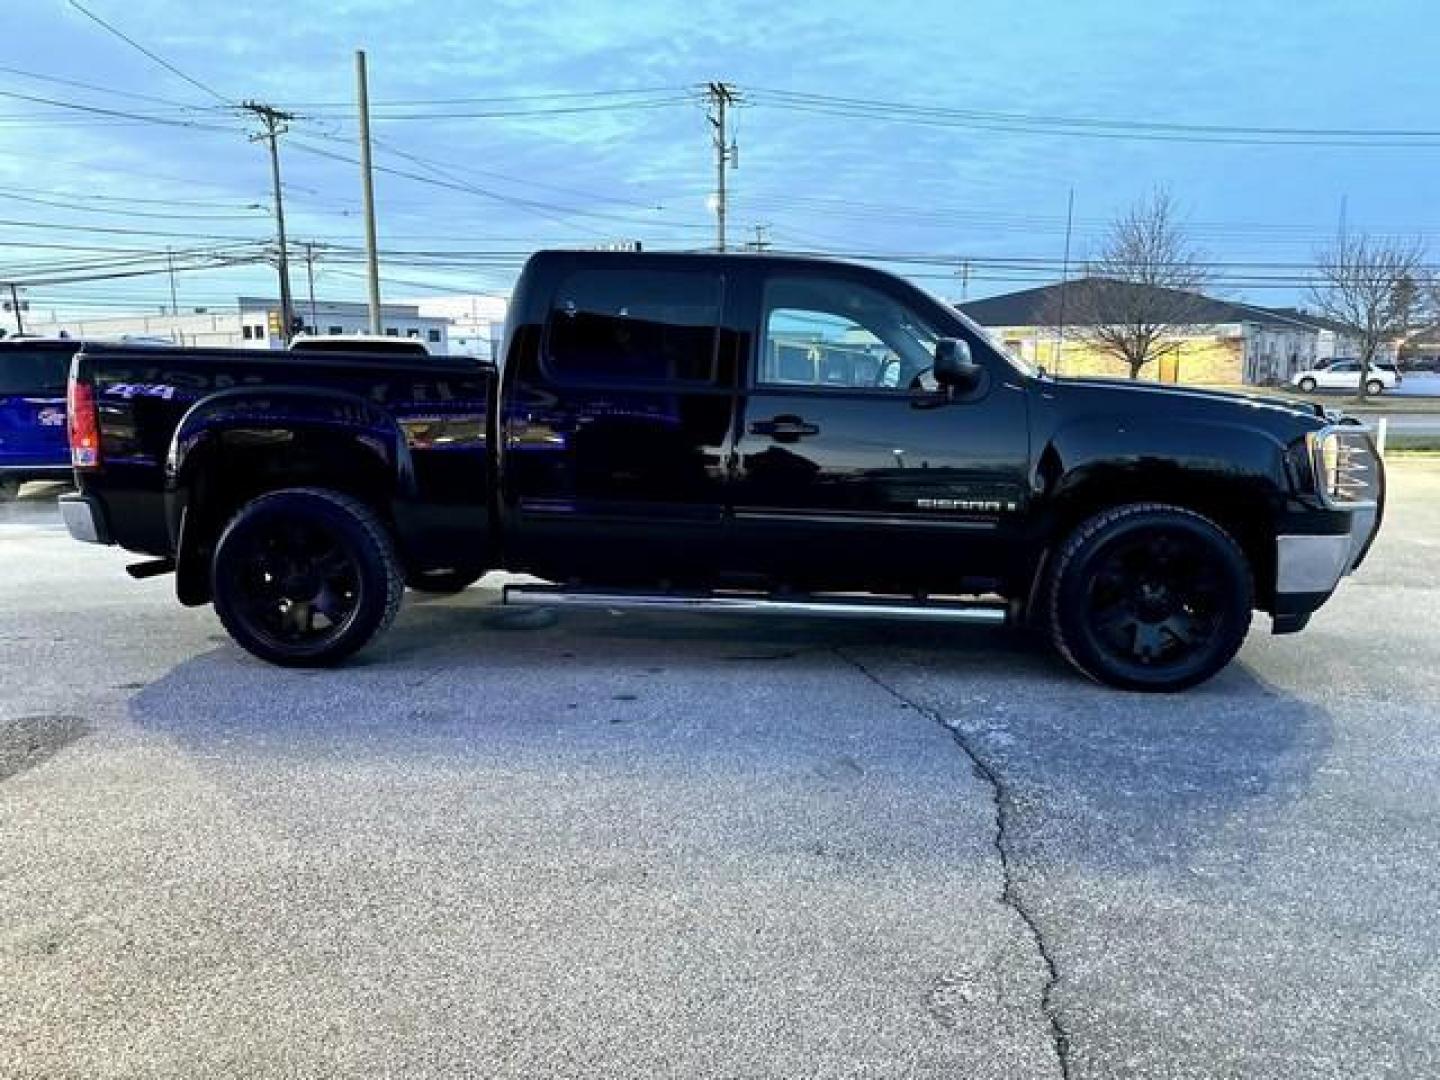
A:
(1375, 288)
(1142, 292)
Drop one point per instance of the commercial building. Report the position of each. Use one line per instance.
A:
(254, 323)
(1228, 342)
(477, 321)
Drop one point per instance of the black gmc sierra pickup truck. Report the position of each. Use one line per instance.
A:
(730, 433)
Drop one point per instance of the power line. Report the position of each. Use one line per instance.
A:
(118, 230)
(128, 213)
(497, 99)
(153, 56)
(1093, 127)
(443, 178)
(148, 118)
(109, 90)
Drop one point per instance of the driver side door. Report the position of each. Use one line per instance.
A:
(853, 469)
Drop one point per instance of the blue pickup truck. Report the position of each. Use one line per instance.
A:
(33, 445)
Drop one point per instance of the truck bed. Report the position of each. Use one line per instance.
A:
(428, 418)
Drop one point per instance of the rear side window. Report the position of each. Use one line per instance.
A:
(23, 371)
(634, 326)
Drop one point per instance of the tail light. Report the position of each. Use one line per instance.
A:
(84, 423)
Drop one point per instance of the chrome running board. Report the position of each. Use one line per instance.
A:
(987, 613)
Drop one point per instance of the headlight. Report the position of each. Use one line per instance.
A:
(1346, 467)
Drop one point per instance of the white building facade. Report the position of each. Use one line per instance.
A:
(254, 323)
(477, 321)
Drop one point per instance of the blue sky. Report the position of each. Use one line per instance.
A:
(639, 165)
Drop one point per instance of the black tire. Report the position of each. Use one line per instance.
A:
(290, 558)
(1374, 388)
(444, 582)
(9, 489)
(1149, 597)
(1307, 386)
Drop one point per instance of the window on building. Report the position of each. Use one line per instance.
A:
(259, 331)
(412, 332)
(434, 335)
(247, 332)
(391, 331)
(635, 326)
(337, 329)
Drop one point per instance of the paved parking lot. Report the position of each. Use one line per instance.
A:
(506, 844)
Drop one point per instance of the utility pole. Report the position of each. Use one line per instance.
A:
(276, 122)
(15, 304)
(367, 184)
(720, 95)
(759, 243)
(310, 274)
(1064, 282)
(963, 273)
(170, 262)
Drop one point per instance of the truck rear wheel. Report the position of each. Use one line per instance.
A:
(9, 489)
(1150, 597)
(305, 577)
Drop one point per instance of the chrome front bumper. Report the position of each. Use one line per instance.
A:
(1315, 564)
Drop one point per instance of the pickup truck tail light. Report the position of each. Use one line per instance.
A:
(1347, 468)
(84, 424)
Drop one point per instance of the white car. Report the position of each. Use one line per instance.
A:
(1345, 375)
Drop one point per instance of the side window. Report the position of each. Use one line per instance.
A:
(626, 326)
(834, 334)
(39, 372)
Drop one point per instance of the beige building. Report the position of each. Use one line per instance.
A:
(1230, 344)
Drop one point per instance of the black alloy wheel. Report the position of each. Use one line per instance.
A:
(305, 577)
(1150, 597)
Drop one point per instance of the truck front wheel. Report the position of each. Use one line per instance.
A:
(305, 576)
(1149, 597)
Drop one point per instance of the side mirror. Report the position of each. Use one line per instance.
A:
(954, 369)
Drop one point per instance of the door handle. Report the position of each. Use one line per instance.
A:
(785, 428)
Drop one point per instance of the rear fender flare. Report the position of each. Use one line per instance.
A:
(280, 413)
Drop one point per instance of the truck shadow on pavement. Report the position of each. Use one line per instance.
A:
(1090, 774)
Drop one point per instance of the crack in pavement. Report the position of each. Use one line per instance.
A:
(1009, 894)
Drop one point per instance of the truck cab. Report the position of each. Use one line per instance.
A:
(782, 417)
